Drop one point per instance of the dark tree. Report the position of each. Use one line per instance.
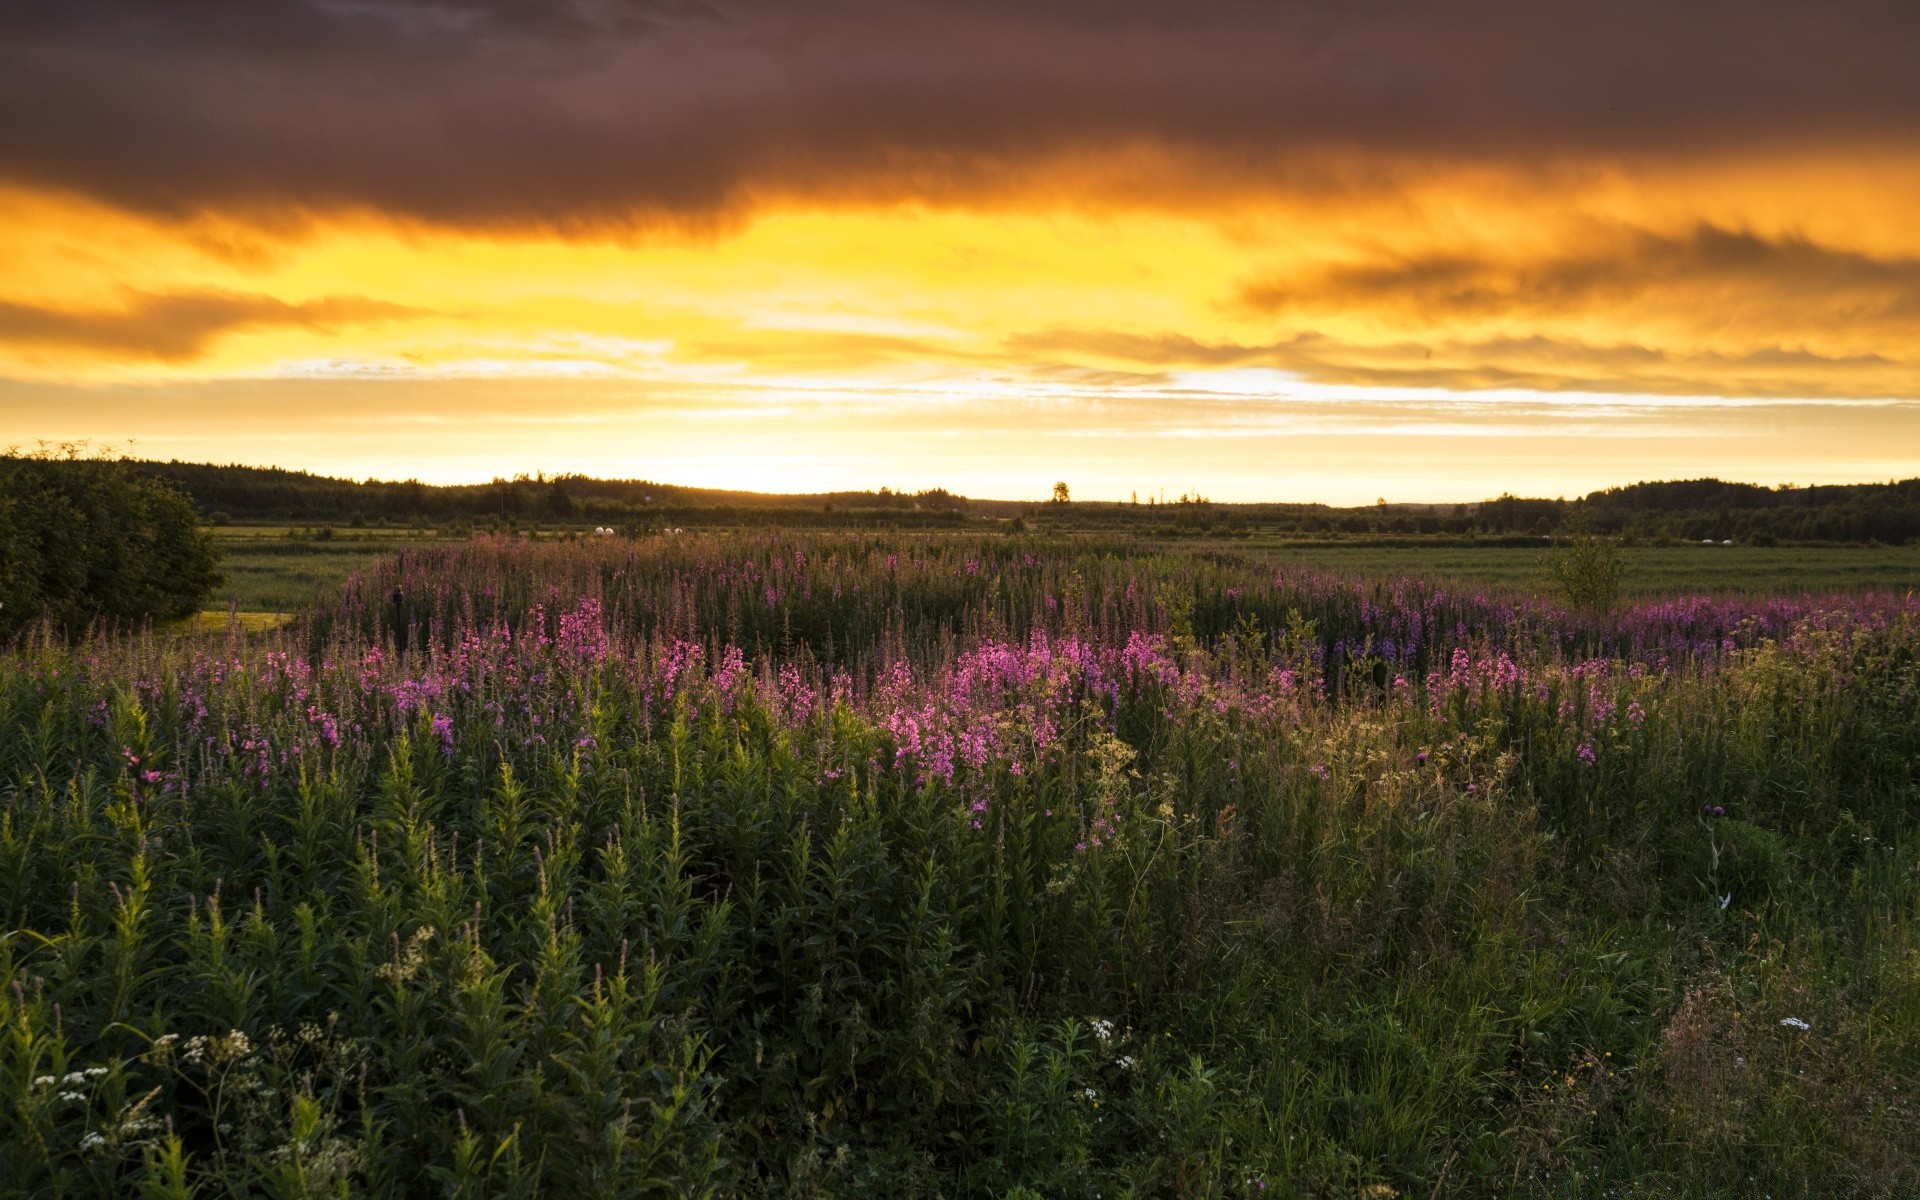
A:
(558, 504)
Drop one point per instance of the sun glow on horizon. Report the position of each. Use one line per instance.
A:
(1462, 334)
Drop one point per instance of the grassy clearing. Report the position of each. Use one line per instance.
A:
(268, 571)
(224, 620)
(279, 575)
(1650, 570)
(888, 867)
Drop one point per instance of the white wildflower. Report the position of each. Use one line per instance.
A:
(1124, 1062)
(92, 1141)
(71, 1097)
(1794, 1023)
(45, 1081)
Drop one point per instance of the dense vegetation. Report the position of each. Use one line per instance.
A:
(270, 494)
(86, 540)
(1711, 508)
(963, 867)
(1690, 510)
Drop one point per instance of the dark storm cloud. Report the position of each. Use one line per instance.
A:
(175, 326)
(1801, 282)
(522, 111)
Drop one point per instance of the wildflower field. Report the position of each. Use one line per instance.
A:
(963, 867)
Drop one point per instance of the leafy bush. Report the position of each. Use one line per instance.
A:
(86, 539)
(1586, 571)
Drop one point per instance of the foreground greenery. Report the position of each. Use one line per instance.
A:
(559, 915)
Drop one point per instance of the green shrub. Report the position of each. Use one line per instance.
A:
(1587, 570)
(86, 539)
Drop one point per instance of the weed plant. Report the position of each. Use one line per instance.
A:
(868, 867)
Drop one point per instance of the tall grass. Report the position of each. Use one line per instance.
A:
(962, 868)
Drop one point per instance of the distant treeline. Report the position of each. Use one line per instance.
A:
(1696, 509)
(1690, 510)
(241, 493)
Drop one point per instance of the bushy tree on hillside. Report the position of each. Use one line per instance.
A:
(85, 539)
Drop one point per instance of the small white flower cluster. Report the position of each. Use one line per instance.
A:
(217, 1050)
(602, 531)
(70, 1081)
(125, 1129)
(71, 1078)
(1111, 1038)
(1794, 1023)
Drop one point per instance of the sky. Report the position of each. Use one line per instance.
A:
(1335, 250)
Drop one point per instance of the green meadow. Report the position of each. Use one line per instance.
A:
(284, 568)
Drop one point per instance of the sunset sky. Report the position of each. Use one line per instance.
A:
(1327, 250)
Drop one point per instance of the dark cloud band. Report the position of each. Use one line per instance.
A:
(562, 114)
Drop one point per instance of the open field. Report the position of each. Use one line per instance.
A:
(270, 572)
(1650, 570)
(267, 570)
(882, 866)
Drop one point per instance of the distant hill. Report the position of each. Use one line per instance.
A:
(1690, 509)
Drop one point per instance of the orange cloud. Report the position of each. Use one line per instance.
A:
(177, 326)
(1534, 363)
(1714, 273)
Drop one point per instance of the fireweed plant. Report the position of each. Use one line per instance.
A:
(893, 867)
